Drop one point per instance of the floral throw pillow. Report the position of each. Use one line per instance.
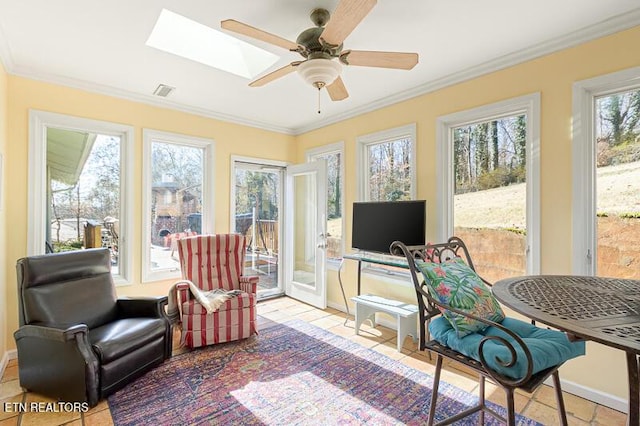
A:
(455, 284)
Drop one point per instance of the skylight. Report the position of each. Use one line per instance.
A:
(181, 36)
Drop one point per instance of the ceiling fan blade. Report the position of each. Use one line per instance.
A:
(280, 72)
(248, 30)
(399, 60)
(337, 91)
(344, 19)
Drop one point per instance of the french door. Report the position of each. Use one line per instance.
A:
(256, 214)
(305, 240)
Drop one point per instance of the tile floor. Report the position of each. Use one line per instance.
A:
(539, 406)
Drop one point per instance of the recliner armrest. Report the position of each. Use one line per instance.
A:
(58, 361)
(51, 332)
(153, 307)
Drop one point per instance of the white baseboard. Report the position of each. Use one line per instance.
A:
(339, 307)
(6, 357)
(593, 395)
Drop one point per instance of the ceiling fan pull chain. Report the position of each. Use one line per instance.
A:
(318, 100)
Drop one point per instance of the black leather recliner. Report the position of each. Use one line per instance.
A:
(77, 341)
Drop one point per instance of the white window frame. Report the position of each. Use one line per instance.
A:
(364, 142)
(39, 122)
(311, 155)
(584, 232)
(208, 197)
(445, 175)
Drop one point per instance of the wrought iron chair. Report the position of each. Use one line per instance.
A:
(512, 353)
(215, 262)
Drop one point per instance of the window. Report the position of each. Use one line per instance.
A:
(488, 184)
(334, 156)
(178, 197)
(386, 172)
(79, 172)
(606, 148)
(386, 164)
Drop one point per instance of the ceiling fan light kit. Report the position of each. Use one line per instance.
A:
(319, 72)
(321, 46)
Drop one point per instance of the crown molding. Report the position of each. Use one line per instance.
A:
(601, 29)
(144, 99)
(607, 27)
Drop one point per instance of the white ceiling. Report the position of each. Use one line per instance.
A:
(100, 46)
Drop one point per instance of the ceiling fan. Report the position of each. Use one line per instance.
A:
(322, 45)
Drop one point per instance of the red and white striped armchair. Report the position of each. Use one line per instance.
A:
(216, 262)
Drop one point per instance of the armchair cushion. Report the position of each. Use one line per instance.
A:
(455, 284)
(116, 339)
(548, 348)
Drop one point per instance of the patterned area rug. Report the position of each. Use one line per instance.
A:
(290, 374)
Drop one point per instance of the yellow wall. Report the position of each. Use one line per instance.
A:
(4, 328)
(230, 139)
(552, 76)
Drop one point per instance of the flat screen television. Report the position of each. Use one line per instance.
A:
(376, 224)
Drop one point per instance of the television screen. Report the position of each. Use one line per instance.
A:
(376, 224)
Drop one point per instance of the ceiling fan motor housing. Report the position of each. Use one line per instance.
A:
(310, 38)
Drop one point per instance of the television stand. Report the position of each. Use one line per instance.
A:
(368, 305)
(378, 259)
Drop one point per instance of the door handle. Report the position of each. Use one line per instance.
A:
(323, 240)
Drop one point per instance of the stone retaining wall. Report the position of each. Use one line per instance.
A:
(498, 254)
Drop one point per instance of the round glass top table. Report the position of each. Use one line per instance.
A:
(604, 310)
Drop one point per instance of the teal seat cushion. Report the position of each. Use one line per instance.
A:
(548, 347)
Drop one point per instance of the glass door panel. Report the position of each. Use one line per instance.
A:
(306, 235)
(258, 191)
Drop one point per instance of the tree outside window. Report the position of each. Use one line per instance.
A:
(386, 162)
(489, 160)
(84, 204)
(390, 170)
